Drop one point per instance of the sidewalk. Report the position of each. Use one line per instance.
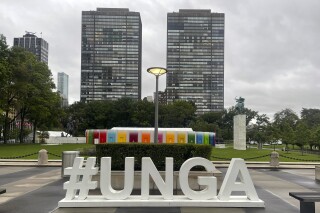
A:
(28, 163)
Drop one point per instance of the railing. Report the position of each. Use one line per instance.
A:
(268, 155)
(299, 159)
(250, 158)
(28, 155)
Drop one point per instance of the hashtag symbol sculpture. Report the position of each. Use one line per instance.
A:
(80, 178)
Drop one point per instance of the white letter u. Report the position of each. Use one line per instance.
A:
(105, 179)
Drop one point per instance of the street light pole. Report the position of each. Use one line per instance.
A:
(156, 112)
(157, 71)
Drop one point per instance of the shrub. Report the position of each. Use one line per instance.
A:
(43, 135)
(157, 152)
(89, 152)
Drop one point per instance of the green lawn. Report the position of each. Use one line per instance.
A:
(254, 154)
(16, 151)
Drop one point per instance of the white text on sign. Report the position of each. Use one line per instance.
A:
(81, 182)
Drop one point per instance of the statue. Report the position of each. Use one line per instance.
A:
(240, 105)
(71, 127)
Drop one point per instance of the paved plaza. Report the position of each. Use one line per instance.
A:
(38, 190)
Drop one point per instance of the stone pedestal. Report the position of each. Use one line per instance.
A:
(274, 159)
(68, 159)
(239, 132)
(43, 157)
(317, 172)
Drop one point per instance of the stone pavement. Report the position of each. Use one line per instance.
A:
(38, 190)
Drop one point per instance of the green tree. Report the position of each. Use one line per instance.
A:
(26, 87)
(36, 99)
(274, 134)
(4, 54)
(123, 112)
(14, 85)
(203, 126)
(311, 117)
(177, 114)
(315, 137)
(43, 135)
(302, 135)
(208, 122)
(285, 122)
(261, 131)
(3, 76)
(143, 114)
(313, 144)
(45, 111)
(287, 134)
(77, 113)
(212, 117)
(285, 116)
(226, 124)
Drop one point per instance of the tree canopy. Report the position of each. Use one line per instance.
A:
(26, 90)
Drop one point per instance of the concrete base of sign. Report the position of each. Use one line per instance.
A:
(158, 201)
(239, 132)
(117, 179)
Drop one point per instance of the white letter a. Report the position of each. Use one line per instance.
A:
(237, 168)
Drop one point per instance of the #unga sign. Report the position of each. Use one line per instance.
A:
(237, 179)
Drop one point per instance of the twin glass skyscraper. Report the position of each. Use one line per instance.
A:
(195, 58)
(111, 56)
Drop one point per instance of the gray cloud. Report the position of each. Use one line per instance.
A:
(271, 53)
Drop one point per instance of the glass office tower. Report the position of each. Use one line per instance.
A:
(63, 88)
(32, 43)
(110, 54)
(195, 58)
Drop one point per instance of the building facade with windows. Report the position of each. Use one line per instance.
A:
(32, 43)
(195, 58)
(162, 97)
(63, 88)
(110, 54)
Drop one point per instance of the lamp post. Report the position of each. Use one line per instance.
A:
(157, 71)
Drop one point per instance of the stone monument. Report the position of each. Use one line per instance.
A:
(274, 160)
(43, 157)
(239, 126)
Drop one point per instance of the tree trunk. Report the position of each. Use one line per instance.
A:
(22, 115)
(5, 129)
(34, 132)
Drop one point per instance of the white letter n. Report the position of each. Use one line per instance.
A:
(165, 188)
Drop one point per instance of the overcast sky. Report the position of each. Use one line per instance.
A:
(272, 48)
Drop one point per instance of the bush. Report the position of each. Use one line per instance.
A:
(87, 151)
(157, 152)
(43, 135)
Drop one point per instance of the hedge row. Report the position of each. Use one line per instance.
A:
(157, 152)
